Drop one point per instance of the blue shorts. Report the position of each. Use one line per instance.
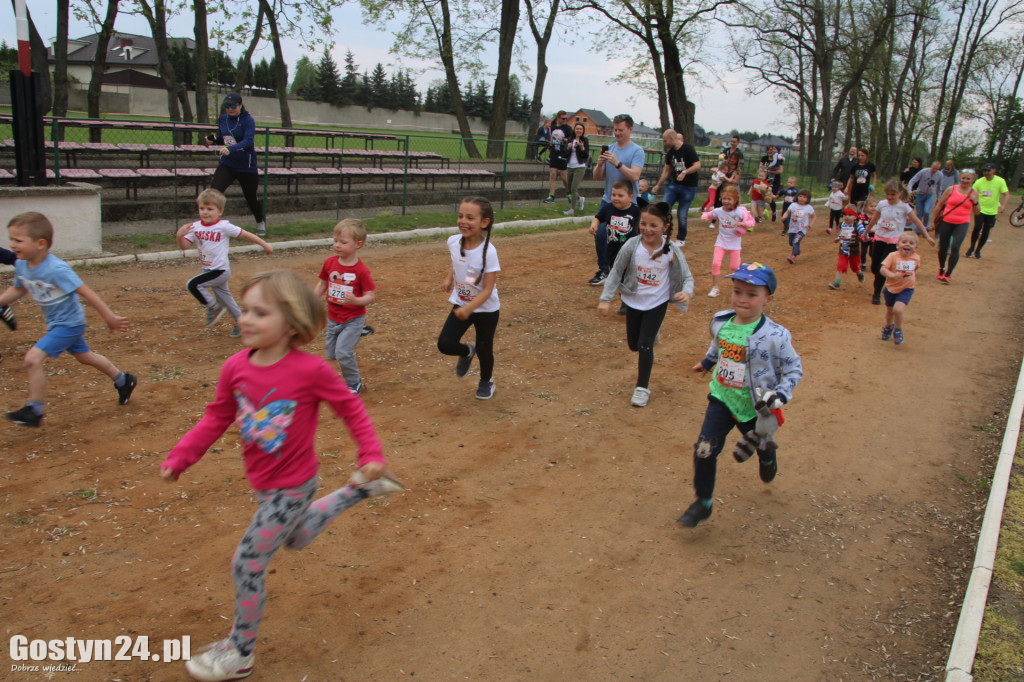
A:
(892, 299)
(60, 339)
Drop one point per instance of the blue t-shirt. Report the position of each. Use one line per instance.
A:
(630, 155)
(52, 284)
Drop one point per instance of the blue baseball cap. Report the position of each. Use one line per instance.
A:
(756, 274)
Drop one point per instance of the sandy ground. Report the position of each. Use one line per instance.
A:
(538, 539)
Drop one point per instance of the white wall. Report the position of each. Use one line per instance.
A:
(73, 208)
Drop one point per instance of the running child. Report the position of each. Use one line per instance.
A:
(900, 271)
(622, 217)
(753, 364)
(349, 288)
(717, 177)
(643, 192)
(836, 203)
(887, 222)
(801, 219)
(760, 193)
(648, 272)
(273, 391)
(851, 232)
(474, 293)
(867, 241)
(788, 194)
(210, 235)
(56, 288)
(733, 222)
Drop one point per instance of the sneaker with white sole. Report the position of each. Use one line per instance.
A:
(640, 397)
(220, 661)
(598, 279)
(7, 316)
(213, 314)
(25, 416)
(714, 293)
(385, 485)
(463, 363)
(124, 391)
(485, 391)
(579, 203)
(570, 212)
(261, 228)
(235, 332)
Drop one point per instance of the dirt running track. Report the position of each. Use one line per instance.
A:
(539, 538)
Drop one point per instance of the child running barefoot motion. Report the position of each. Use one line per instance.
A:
(56, 288)
(210, 235)
(733, 222)
(900, 271)
(648, 272)
(349, 288)
(754, 369)
(273, 391)
(800, 217)
(887, 223)
(851, 232)
(472, 282)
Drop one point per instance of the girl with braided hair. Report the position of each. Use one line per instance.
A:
(474, 294)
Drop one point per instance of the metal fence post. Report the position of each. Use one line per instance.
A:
(174, 162)
(405, 176)
(504, 173)
(55, 138)
(266, 167)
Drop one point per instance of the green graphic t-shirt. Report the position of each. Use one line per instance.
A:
(989, 192)
(729, 381)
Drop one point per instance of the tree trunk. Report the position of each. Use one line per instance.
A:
(245, 65)
(99, 69)
(1009, 108)
(280, 69)
(156, 16)
(60, 58)
(1017, 172)
(447, 53)
(541, 38)
(201, 55)
(499, 100)
(945, 79)
(675, 88)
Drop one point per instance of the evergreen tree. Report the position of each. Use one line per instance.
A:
(262, 76)
(377, 84)
(328, 82)
(351, 83)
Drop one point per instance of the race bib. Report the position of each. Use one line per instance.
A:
(906, 266)
(861, 181)
(229, 140)
(465, 293)
(987, 193)
(648, 277)
(338, 292)
(846, 232)
(887, 228)
(730, 373)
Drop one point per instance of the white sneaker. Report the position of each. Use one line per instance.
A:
(680, 243)
(220, 661)
(579, 203)
(640, 396)
(570, 212)
(714, 293)
(261, 228)
(385, 485)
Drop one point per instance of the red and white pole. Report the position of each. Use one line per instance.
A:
(21, 22)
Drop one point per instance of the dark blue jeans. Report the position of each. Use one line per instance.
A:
(684, 195)
(718, 422)
(601, 242)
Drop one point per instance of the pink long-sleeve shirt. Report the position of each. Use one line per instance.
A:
(277, 409)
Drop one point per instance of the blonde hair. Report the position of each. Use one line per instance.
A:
(36, 225)
(353, 226)
(212, 196)
(302, 311)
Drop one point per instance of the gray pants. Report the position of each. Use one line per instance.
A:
(340, 345)
(217, 283)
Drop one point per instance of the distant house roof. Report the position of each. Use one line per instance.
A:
(772, 140)
(124, 50)
(640, 130)
(598, 117)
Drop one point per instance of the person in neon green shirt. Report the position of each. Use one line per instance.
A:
(994, 194)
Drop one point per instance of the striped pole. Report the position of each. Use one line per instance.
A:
(21, 22)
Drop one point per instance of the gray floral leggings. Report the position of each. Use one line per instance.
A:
(286, 517)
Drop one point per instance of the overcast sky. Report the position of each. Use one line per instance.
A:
(577, 78)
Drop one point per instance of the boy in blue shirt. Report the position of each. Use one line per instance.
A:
(755, 367)
(56, 288)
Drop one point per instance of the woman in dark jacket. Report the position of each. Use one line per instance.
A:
(236, 135)
(579, 156)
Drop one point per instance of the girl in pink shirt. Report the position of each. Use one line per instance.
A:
(273, 391)
(733, 222)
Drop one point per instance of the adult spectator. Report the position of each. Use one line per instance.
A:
(732, 148)
(910, 171)
(952, 217)
(732, 176)
(558, 159)
(992, 197)
(622, 160)
(679, 176)
(773, 163)
(842, 170)
(579, 156)
(542, 139)
(926, 186)
(862, 178)
(236, 135)
(950, 177)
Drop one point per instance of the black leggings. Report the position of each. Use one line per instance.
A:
(983, 224)
(950, 238)
(835, 217)
(249, 182)
(879, 250)
(450, 340)
(642, 328)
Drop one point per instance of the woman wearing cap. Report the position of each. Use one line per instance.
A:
(951, 217)
(236, 136)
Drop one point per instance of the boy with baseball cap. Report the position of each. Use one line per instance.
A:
(754, 371)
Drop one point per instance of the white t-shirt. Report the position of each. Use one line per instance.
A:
(574, 161)
(652, 275)
(729, 237)
(800, 217)
(466, 270)
(836, 200)
(892, 218)
(716, 178)
(213, 243)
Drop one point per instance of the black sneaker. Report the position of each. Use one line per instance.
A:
(977, 254)
(768, 469)
(598, 278)
(694, 515)
(970, 252)
(26, 416)
(462, 366)
(124, 392)
(485, 391)
(860, 276)
(7, 315)
(876, 300)
(367, 330)
(622, 309)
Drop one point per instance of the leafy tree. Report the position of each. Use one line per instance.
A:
(305, 76)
